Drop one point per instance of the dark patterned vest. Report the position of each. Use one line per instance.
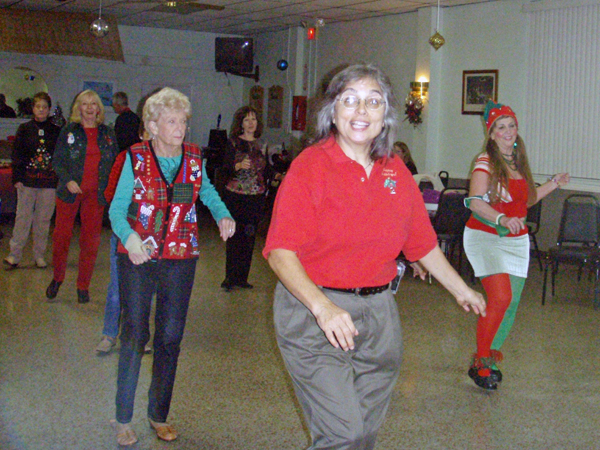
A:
(162, 213)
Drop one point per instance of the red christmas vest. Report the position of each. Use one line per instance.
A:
(163, 214)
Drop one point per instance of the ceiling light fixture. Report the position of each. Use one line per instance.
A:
(99, 27)
(437, 40)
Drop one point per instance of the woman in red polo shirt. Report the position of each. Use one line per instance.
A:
(345, 210)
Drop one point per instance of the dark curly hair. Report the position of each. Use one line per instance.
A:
(238, 119)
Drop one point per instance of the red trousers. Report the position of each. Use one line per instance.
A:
(90, 212)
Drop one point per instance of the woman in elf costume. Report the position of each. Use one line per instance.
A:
(495, 238)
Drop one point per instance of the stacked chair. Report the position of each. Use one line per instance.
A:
(578, 241)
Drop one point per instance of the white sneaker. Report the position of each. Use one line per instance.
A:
(11, 262)
(41, 263)
(106, 344)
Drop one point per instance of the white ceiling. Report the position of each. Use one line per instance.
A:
(240, 17)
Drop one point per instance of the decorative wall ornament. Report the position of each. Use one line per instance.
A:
(437, 40)
(99, 27)
(414, 106)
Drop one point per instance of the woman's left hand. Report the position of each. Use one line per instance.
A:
(226, 227)
(472, 299)
(437, 264)
(561, 179)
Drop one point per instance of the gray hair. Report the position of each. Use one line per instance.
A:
(166, 98)
(382, 145)
(120, 98)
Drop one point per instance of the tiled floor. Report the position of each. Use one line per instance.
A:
(232, 391)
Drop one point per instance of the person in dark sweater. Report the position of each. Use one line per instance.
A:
(5, 110)
(127, 125)
(35, 182)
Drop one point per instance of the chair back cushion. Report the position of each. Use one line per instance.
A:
(452, 215)
(580, 222)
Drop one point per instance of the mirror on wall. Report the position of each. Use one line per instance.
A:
(21, 83)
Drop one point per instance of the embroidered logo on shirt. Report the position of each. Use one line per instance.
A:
(390, 184)
(70, 139)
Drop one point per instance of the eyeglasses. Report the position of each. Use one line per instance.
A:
(353, 102)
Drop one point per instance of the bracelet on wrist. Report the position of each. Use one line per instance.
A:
(498, 217)
(555, 181)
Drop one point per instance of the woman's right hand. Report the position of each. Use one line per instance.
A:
(245, 164)
(136, 251)
(74, 188)
(337, 325)
(514, 224)
(335, 322)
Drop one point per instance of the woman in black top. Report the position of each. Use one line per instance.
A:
(35, 182)
(246, 169)
(401, 149)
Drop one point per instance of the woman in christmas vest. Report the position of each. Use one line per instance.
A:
(496, 239)
(154, 215)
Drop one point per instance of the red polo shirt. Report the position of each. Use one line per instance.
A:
(346, 228)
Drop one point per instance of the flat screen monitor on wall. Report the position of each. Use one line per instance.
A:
(234, 55)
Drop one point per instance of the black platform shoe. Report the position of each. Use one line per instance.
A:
(52, 289)
(227, 285)
(83, 296)
(496, 375)
(486, 383)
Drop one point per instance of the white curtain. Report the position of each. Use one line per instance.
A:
(563, 88)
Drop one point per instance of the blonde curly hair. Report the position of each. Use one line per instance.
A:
(87, 94)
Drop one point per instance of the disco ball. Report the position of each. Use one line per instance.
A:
(99, 28)
(282, 64)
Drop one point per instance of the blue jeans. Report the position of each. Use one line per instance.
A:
(112, 310)
(172, 281)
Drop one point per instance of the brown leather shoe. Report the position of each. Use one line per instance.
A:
(164, 431)
(124, 433)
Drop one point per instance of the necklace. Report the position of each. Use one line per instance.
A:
(511, 160)
(40, 129)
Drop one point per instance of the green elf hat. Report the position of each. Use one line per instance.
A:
(495, 110)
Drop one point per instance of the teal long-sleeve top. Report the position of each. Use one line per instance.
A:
(122, 199)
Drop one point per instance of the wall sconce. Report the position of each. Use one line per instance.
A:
(419, 88)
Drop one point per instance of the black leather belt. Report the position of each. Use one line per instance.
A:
(363, 291)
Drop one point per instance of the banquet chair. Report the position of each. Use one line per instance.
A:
(534, 215)
(445, 177)
(578, 240)
(449, 222)
(428, 181)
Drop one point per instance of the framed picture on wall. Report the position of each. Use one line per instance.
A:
(478, 86)
(104, 89)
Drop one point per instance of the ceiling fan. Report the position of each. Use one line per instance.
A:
(181, 7)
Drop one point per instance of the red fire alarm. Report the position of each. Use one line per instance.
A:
(311, 33)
